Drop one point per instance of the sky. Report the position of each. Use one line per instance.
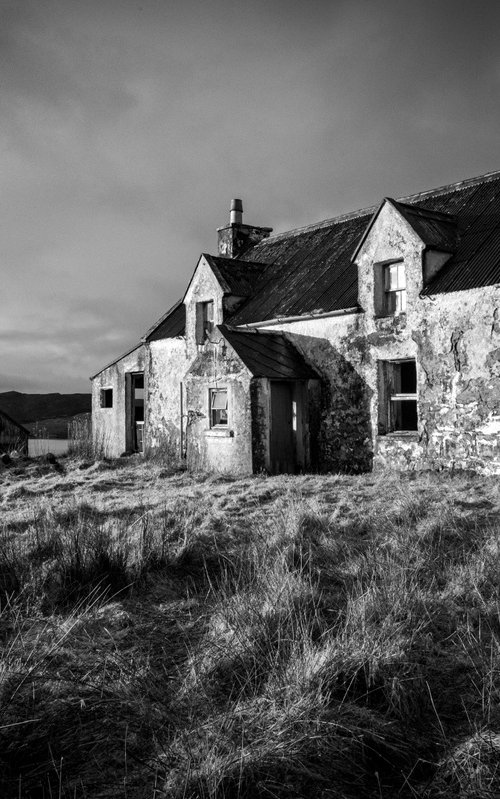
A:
(126, 128)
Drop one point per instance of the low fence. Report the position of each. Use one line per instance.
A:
(41, 446)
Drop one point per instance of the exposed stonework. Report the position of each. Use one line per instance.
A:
(166, 412)
(223, 449)
(112, 426)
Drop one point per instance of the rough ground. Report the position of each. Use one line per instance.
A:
(174, 636)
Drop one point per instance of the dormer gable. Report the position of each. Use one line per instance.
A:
(204, 303)
(400, 251)
(435, 230)
(219, 287)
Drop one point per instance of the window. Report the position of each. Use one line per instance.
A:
(218, 407)
(204, 321)
(398, 396)
(106, 397)
(395, 288)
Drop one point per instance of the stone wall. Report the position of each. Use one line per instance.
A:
(455, 341)
(166, 411)
(110, 428)
(340, 438)
(220, 449)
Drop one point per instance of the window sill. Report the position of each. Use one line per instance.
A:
(394, 316)
(400, 434)
(219, 432)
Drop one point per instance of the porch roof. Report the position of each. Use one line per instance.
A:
(270, 355)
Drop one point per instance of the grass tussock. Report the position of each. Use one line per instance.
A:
(335, 637)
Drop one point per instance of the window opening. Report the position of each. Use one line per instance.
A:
(395, 288)
(106, 397)
(398, 396)
(138, 411)
(218, 407)
(204, 321)
(403, 396)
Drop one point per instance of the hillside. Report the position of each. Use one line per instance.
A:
(166, 636)
(26, 408)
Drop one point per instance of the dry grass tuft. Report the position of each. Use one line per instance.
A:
(335, 637)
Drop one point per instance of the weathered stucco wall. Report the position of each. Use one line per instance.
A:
(227, 449)
(165, 419)
(455, 341)
(109, 425)
(341, 439)
(203, 288)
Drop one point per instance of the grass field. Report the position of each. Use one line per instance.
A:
(312, 636)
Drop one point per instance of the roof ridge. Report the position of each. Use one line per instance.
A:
(488, 176)
(234, 260)
(419, 210)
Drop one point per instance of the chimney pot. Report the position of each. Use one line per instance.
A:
(236, 212)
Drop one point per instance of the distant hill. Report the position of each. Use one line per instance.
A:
(25, 408)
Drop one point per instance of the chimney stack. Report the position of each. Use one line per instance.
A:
(236, 237)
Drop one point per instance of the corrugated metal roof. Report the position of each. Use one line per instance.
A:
(236, 277)
(123, 355)
(268, 354)
(170, 325)
(436, 229)
(310, 270)
(16, 424)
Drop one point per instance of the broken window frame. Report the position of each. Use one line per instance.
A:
(106, 398)
(394, 288)
(204, 321)
(397, 389)
(218, 404)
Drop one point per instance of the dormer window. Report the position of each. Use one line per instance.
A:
(204, 321)
(394, 288)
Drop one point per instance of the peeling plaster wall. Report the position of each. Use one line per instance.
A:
(219, 449)
(458, 347)
(166, 366)
(342, 440)
(109, 425)
(204, 287)
(455, 341)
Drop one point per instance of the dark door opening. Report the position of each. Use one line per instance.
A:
(283, 439)
(137, 411)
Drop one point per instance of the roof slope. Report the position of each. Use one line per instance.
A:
(310, 270)
(170, 325)
(123, 355)
(236, 277)
(437, 230)
(268, 354)
(4, 415)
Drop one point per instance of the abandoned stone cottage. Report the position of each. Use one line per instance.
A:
(369, 339)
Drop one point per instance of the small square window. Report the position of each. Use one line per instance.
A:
(106, 397)
(204, 321)
(398, 397)
(218, 407)
(395, 288)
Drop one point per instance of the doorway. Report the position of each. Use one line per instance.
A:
(137, 411)
(286, 434)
